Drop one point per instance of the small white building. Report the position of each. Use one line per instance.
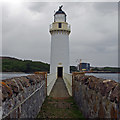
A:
(60, 30)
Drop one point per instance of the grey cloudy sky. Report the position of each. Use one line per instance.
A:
(94, 36)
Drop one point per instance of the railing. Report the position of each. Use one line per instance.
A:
(64, 27)
(68, 81)
(51, 78)
(69, 26)
(50, 26)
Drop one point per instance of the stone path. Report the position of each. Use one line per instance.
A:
(60, 108)
(59, 104)
(59, 90)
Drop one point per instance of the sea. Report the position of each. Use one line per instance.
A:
(111, 76)
(7, 75)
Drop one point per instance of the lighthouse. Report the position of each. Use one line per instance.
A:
(59, 30)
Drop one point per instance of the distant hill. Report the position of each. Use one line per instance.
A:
(10, 64)
(109, 69)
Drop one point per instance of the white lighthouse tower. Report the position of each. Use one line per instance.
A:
(60, 30)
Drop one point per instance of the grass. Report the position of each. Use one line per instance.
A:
(66, 108)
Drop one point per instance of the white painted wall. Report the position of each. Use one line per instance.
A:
(59, 51)
(68, 82)
(50, 82)
(51, 79)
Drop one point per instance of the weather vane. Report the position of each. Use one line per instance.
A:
(60, 7)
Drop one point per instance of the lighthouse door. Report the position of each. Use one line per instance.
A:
(60, 72)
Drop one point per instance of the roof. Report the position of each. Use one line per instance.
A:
(60, 11)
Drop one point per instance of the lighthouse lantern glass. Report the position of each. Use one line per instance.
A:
(60, 18)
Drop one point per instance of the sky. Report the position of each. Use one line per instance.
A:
(93, 38)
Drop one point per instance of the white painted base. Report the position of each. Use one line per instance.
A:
(59, 52)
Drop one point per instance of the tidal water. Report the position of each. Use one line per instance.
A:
(7, 75)
(111, 76)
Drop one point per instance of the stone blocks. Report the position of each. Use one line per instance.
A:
(96, 97)
(22, 97)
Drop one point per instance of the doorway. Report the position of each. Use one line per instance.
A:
(60, 72)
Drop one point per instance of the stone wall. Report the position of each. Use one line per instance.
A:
(96, 97)
(22, 97)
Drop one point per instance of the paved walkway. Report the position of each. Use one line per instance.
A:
(60, 108)
(59, 90)
(59, 104)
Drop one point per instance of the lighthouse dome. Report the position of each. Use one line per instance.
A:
(60, 15)
(60, 11)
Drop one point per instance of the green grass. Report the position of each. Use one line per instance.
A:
(60, 109)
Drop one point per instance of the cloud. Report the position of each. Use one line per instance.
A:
(94, 35)
(97, 33)
(37, 7)
(104, 8)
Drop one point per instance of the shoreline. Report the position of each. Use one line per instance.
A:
(84, 72)
(104, 72)
(14, 72)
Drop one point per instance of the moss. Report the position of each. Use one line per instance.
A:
(60, 109)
